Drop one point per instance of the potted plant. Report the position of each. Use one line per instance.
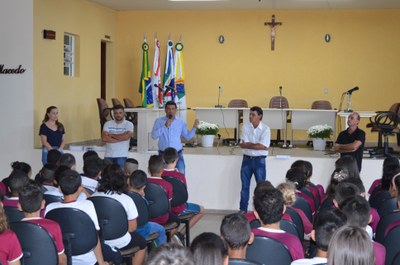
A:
(207, 132)
(319, 134)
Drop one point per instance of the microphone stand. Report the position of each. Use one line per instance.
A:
(219, 95)
(348, 103)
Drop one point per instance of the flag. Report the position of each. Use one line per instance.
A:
(169, 73)
(180, 96)
(145, 81)
(156, 78)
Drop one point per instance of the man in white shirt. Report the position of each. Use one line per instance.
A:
(255, 141)
(117, 134)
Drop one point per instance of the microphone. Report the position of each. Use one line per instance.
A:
(352, 90)
(169, 116)
(168, 88)
(280, 91)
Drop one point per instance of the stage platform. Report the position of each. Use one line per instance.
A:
(213, 174)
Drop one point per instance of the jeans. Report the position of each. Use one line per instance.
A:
(117, 160)
(250, 166)
(151, 228)
(180, 165)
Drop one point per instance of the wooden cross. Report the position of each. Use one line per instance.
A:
(273, 26)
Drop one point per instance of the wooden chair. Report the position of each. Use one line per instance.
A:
(105, 113)
(115, 102)
(321, 104)
(237, 103)
(279, 102)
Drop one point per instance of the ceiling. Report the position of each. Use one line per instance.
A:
(121, 5)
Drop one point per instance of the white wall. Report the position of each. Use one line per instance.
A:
(16, 90)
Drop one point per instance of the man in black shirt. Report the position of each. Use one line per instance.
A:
(351, 141)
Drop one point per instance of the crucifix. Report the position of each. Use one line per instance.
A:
(273, 26)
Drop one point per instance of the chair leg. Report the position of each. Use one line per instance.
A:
(398, 139)
(379, 139)
(187, 233)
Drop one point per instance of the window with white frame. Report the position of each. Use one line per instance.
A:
(69, 54)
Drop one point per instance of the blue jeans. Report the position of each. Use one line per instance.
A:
(151, 228)
(180, 165)
(45, 152)
(250, 166)
(117, 160)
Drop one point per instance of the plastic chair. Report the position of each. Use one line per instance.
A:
(279, 102)
(396, 259)
(179, 197)
(113, 222)
(37, 244)
(158, 205)
(51, 198)
(242, 262)
(303, 205)
(284, 224)
(387, 206)
(79, 233)
(143, 212)
(392, 244)
(13, 214)
(268, 251)
(384, 224)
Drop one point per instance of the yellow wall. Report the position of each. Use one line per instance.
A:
(364, 51)
(74, 96)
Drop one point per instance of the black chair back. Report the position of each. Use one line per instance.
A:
(112, 217)
(79, 232)
(396, 259)
(268, 251)
(378, 197)
(387, 206)
(242, 262)
(13, 214)
(303, 205)
(180, 193)
(383, 225)
(158, 200)
(37, 244)
(392, 244)
(309, 193)
(141, 207)
(297, 222)
(48, 198)
(290, 227)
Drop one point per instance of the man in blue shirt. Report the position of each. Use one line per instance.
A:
(169, 129)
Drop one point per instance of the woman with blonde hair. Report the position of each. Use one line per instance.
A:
(10, 249)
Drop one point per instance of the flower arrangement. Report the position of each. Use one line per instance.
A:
(320, 131)
(206, 128)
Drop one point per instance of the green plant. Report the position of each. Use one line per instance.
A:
(320, 131)
(206, 128)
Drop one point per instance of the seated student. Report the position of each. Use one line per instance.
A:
(170, 254)
(325, 225)
(53, 156)
(55, 191)
(45, 177)
(136, 183)
(316, 190)
(357, 212)
(68, 160)
(70, 184)
(250, 216)
(10, 248)
(389, 164)
(349, 163)
(209, 248)
(16, 166)
(171, 157)
(298, 178)
(337, 176)
(289, 196)
(17, 180)
(92, 168)
(235, 230)
(269, 208)
(375, 218)
(156, 169)
(350, 245)
(31, 203)
(113, 184)
(396, 185)
(89, 153)
(131, 165)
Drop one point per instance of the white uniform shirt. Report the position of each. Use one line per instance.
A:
(259, 135)
(119, 149)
